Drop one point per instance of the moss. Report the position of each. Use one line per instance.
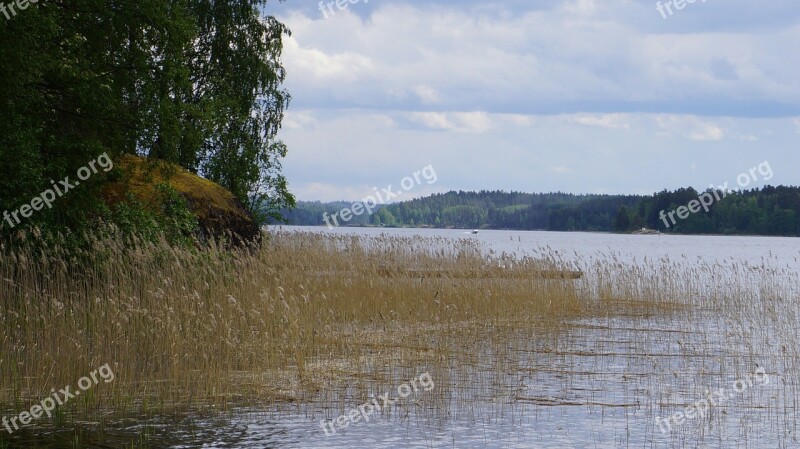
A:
(218, 211)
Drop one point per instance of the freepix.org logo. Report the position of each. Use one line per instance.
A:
(58, 398)
(369, 409)
(58, 190)
(371, 202)
(341, 5)
(706, 199)
(666, 7)
(13, 7)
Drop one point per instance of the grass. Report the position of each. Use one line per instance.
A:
(309, 318)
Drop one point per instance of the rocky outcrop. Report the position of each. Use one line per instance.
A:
(219, 213)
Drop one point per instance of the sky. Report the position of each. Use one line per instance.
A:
(580, 96)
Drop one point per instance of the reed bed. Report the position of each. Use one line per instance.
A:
(187, 326)
(314, 318)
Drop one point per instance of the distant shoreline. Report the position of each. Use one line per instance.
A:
(764, 211)
(661, 234)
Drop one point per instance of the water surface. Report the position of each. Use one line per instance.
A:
(601, 382)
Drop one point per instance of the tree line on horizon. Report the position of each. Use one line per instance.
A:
(762, 211)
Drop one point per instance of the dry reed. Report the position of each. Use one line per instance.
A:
(308, 317)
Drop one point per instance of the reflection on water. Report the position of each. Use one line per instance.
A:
(785, 251)
(599, 382)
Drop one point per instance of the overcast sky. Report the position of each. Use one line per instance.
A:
(582, 96)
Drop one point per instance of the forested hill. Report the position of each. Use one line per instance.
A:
(765, 211)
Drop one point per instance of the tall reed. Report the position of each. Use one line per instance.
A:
(293, 320)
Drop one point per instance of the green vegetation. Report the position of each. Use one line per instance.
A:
(765, 211)
(173, 220)
(181, 205)
(193, 82)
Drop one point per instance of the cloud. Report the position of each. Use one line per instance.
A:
(530, 93)
(582, 7)
(516, 119)
(610, 121)
(576, 56)
(298, 120)
(316, 65)
(427, 95)
(690, 127)
(345, 150)
(470, 122)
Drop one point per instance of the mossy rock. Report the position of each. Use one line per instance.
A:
(220, 214)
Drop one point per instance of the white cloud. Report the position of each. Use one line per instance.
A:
(690, 127)
(708, 132)
(610, 121)
(470, 122)
(517, 119)
(313, 65)
(298, 120)
(579, 54)
(582, 7)
(526, 93)
(345, 150)
(427, 94)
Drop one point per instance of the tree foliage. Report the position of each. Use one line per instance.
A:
(194, 82)
(766, 211)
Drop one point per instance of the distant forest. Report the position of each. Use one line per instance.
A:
(764, 211)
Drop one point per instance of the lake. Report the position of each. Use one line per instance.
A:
(713, 363)
(602, 382)
(584, 245)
